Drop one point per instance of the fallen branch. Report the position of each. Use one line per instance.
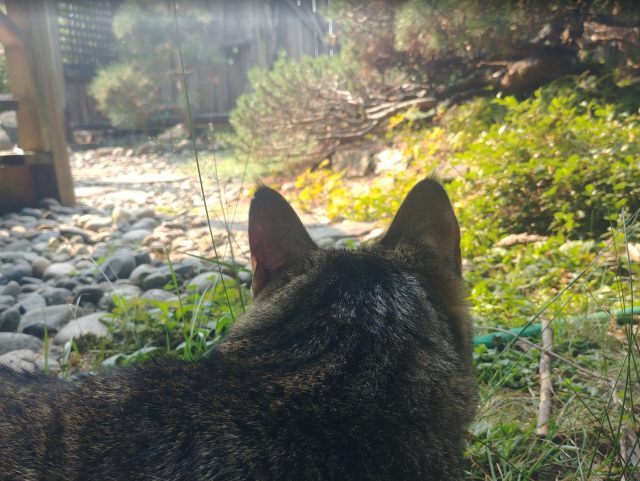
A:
(545, 408)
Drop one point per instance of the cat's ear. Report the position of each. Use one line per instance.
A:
(277, 237)
(426, 217)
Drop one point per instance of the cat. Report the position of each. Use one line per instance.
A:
(350, 364)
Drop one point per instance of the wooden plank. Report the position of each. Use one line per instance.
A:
(22, 83)
(17, 189)
(8, 105)
(11, 35)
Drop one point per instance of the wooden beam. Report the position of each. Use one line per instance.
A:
(10, 34)
(37, 83)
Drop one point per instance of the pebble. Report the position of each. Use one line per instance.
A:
(17, 272)
(51, 365)
(57, 296)
(136, 235)
(38, 330)
(125, 291)
(118, 266)
(9, 320)
(96, 223)
(31, 302)
(7, 300)
(70, 231)
(12, 341)
(146, 223)
(156, 280)
(58, 270)
(86, 324)
(139, 273)
(39, 265)
(90, 293)
(54, 316)
(19, 360)
(12, 289)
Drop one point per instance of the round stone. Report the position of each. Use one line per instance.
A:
(39, 265)
(12, 341)
(58, 270)
(154, 281)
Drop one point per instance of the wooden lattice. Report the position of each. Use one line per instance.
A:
(86, 38)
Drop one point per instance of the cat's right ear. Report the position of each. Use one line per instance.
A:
(426, 217)
(277, 237)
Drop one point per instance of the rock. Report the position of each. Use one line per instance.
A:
(7, 300)
(29, 288)
(374, 235)
(288, 186)
(12, 341)
(182, 269)
(142, 257)
(55, 316)
(37, 213)
(125, 291)
(12, 289)
(118, 152)
(121, 215)
(146, 223)
(139, 273)
(154, 281)
(37, 330)
(60, 258)
(148, 147)
(39, 265)
(31, 302)
(16, 273)
(205, 281)
(52, 364)
(141, 213)
(30, 280)
(118, 266)
(69, 231)
(245, 278)
(63, 269)
(136, 235)
(19, 360)
(84, 325)
(91, 294)
(325, 242)
(58, 296)
(159, 295)
(355, 162)
(99, 253)
(47, 202)
(9, 320)
(96, 223)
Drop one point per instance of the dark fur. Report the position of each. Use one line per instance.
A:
(349, 365)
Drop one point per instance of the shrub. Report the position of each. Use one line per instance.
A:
(554, 165)
(133, 89)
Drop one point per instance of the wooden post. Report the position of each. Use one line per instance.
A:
(36, 81)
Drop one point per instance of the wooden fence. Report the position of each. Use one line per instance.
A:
(249, 33)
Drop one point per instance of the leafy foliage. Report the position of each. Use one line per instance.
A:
(306, 109)
(554, 165)
(134, 89)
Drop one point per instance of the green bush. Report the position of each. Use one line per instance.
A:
(558, 164)
(133, 90)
